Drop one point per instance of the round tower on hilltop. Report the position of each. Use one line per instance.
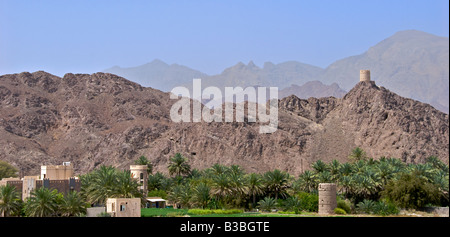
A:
(364, 75)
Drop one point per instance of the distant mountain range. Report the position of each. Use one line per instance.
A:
(411, 63)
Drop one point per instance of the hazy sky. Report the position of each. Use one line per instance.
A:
(90, 36)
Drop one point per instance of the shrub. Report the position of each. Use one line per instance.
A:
(308, 201)
(344, 205)
(292, 204)
(339, 211)
(208, 212)
(378, 208)
(104, 214)
(365, 206)
(200, 211)
(174, 214)
(267, 204)
(289, 212)
(157, 193)
(385, 209)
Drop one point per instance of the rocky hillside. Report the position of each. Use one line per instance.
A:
(102, 118)
(312, 89)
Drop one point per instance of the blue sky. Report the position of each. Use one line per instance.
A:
(90, 36)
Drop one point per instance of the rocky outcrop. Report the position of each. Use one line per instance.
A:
(102, 118)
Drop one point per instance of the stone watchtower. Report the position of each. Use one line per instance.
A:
(364, 75)
(139, 172)
(327, 198)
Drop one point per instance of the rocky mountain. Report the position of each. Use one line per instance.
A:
(158, 74)
(312, 89)
(280, 75)
(104, 119)
(411, 63)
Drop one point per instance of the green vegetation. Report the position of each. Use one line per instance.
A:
(364, 186)
(7, 170)
(339, 211)
(144, 161)
(108, 182)
(10, 203)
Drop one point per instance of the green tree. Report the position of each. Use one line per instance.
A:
(411, 191)
(7, 170)
(10, 203)
(254, 186)
(319, 166)
(221, 186)
(42, 203)
(180, 195)
(201, 195)
(108, 182)
(308, 181)
(178, 165)
(357, 154)
(144, 161)
(276, 182)
(99, 184)
(126, 186)
(73, 204)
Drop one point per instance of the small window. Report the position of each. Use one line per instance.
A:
(142, 175)
(122, 207)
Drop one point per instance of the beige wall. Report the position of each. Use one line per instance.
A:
(123, 207)
(56, 172)
(28, 185)
(4, 181)
(139, 172)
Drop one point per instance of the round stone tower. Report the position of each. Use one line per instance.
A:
(327, 198)
(139, 172)
(364, 75)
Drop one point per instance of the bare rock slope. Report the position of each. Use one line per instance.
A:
(104, 119)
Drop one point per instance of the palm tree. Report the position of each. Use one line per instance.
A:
(237, 186)
(308, 181)
(178, 165)
(254, 186)
(319, 166)
(357, 154)
(292, 204)
(144, 161)
(73, 204)
(217, 169)
(126, 186)
(221, 186)
(436, 163)
(10, 202)
(101, 184)
(335, 170)
(42, 203)
(201, 194)
(155, 181)
(267, 204)
(276, 182)
(180, 195)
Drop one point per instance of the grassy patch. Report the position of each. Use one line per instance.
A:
(163, 212)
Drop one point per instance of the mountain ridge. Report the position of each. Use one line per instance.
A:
(104, 119)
